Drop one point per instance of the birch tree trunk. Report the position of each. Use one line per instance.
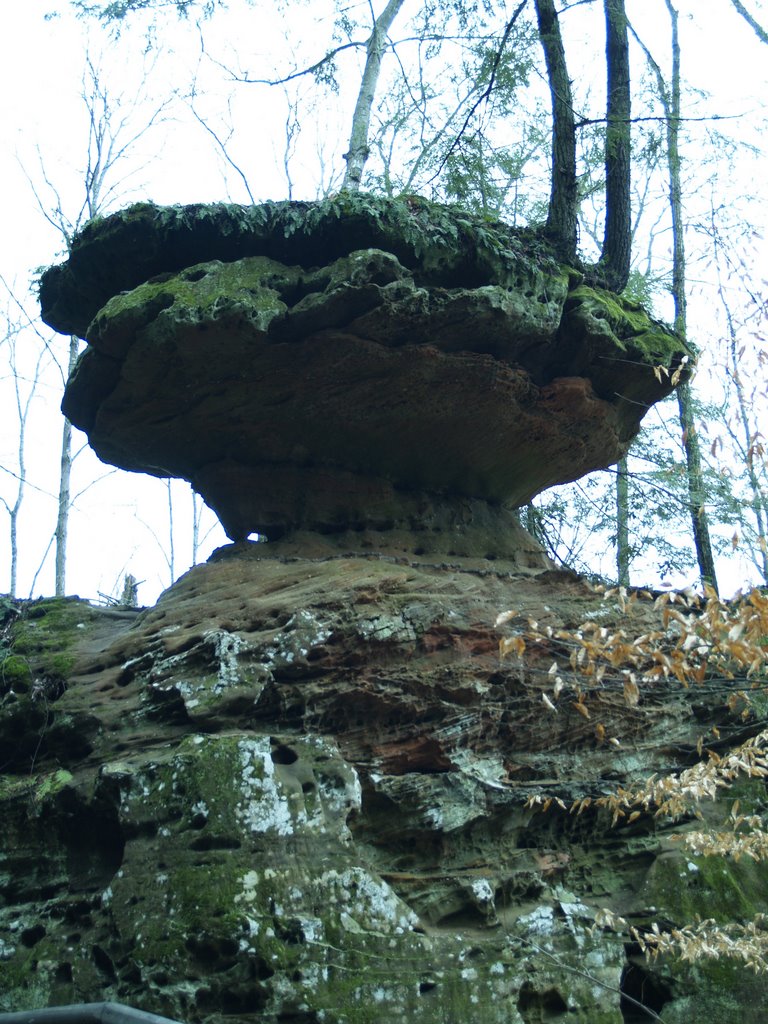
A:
(64, 496)
(358, 151)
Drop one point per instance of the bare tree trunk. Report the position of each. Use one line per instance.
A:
(563, 201)
(696, 491)
(64, 499)
(109, 140)
(622, 523)
(171, 556)
(615, 256)
(196, 510)
(670, 101)
(358, 151)
(23, 406)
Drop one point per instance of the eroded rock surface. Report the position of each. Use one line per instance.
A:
(296, 789)
(348, 364)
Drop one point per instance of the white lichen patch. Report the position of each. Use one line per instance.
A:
(483, 893)
(300, 634)
(368, 900)
(264, 805)
(540, 921)
(227, 648)
(208, 669)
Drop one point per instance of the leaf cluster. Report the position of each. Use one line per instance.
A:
(697, 641)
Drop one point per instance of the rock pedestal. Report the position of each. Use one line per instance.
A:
(297, 789)
(350, 365)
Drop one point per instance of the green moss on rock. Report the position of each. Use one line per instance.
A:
(633, 329)
(46, 633)
(444, 245)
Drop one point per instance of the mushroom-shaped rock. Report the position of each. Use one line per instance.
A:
(351, 365)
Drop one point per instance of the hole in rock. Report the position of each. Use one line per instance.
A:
(130, 975)
(290, 931)
(64, 973)
(284, 755)
(427, 986)
(31, 936)
(94, 842)
(210, 951)
(205, 843)
(308, 787)
(639, 985)
(536, 1007)
(104, 963)
(228, 998)
(194, 275)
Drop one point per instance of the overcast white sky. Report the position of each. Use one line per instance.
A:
(120, 524)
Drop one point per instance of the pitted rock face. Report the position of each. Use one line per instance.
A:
(303, 790)
(348, 365)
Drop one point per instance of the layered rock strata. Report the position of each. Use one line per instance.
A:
(297, 791)
(350, 365)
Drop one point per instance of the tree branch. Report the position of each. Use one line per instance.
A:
(486, 92)
(757, 28)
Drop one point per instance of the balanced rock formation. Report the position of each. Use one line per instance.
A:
(298, 792)
(350, 366)
(299, 788)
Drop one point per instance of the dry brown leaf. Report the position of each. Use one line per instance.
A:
(631, 692)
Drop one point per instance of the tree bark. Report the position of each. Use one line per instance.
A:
(622, 523)
(756, 27)
(358, 151)
(561, 224)
(696, 490)
(615, 256)
(64, 497)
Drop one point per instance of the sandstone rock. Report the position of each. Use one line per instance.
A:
(351, 364)
(296, 789)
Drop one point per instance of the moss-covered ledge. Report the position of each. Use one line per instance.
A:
(444, 245)
(350, 363)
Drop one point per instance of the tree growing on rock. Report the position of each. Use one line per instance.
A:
(444, 19)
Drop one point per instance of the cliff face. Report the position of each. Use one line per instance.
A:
(296, 789)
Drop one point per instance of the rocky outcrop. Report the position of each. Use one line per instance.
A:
(295, 790)
(298, 788)
(349, 365)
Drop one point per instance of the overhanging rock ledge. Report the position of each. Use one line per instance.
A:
(351, 365)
